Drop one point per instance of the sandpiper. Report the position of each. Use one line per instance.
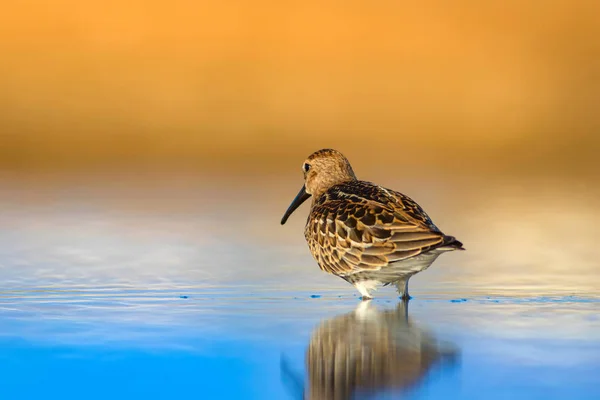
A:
(364, 233)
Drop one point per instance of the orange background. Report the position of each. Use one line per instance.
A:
(256, 85)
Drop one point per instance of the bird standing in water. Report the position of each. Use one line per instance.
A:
(364, 233)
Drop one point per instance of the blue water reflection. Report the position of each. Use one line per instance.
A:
(99, 343)
(368, 352)
(195, 299)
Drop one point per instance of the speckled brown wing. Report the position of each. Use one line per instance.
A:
(358, 227)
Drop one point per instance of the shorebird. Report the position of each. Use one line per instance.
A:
(364, 233)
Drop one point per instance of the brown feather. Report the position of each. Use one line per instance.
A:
(356, 226)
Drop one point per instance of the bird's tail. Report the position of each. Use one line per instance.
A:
(450, 243)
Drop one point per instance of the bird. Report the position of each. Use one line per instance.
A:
(364, 233)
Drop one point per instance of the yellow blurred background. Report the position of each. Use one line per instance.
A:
(235, 86)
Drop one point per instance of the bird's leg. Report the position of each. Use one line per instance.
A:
(402, 286)
(365, 295)
(363, 287)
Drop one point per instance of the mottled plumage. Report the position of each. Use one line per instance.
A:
(362, 232)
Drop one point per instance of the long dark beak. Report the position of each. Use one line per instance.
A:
(300, 198)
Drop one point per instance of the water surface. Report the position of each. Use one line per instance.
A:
(172, 289)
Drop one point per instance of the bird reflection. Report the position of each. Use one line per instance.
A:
(367, 351)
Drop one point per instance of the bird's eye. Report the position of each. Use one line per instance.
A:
(306, 167)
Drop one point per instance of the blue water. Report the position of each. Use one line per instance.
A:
(106, 295)
(121, 344)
